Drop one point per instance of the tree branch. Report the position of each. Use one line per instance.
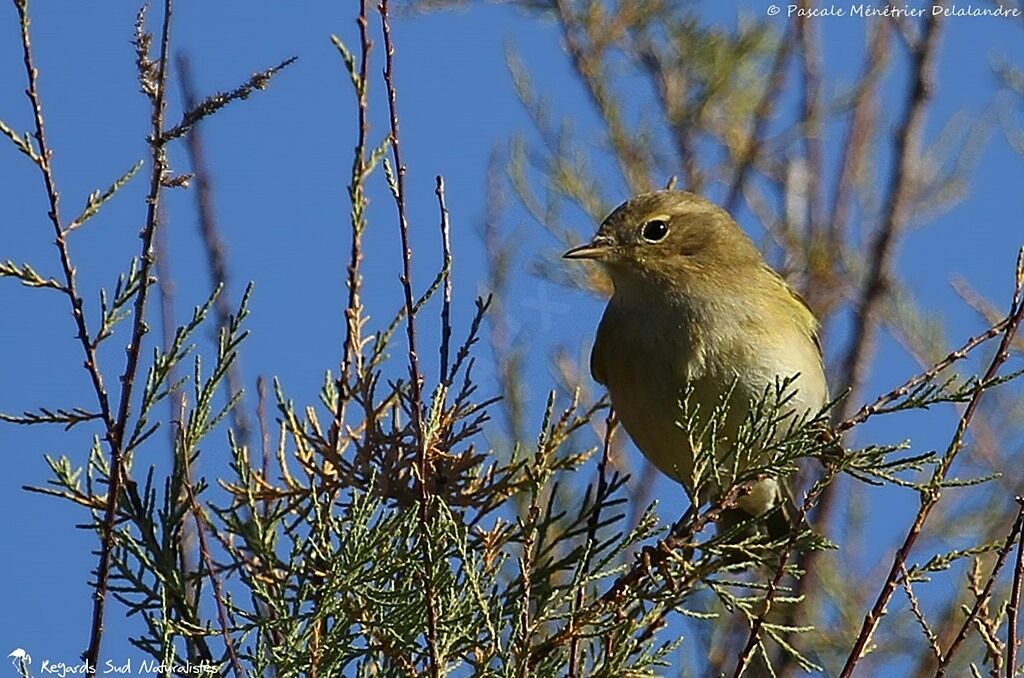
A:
(930, 497)
(415, 376)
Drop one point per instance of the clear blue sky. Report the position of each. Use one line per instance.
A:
(281, 161)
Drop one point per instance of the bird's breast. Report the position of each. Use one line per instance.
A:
(646, 361)
(650, 357)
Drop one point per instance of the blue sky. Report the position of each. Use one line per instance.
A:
(280, 163)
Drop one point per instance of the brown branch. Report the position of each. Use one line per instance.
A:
(499, 255)
(216, 256)
(931, 497)
(167, 294)
(880, 403)
(271, 633)
(600, 494)
(446, 272)
(176, 400)
(139, 330)
(762, 113)
(1013, 606)
(680, 535)
(855, 146)
(45, 164)
(680, 121)
(854, 365)
(378, 641)
(357, 196)
(906, 152)
(985, 593)
(415, 376)
(809, 502)
(525, 567)
(587, 60)
(201, 522)
(811, 58)
(261, 417)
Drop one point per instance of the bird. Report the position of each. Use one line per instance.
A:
(697, 314)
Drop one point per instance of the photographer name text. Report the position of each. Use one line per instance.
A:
(868, 10)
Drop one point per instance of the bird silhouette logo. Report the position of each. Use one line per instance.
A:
(19, 658)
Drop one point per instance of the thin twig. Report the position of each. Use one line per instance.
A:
(587, 60)
(215, 102)
(754, 636)
(139, 330)
(415, 376)
(201, 522)
(525, 567)
(166, 290)
(499, 257)
(811, 57)
(855, 146)
(680, 535)
(1013, 605)
(679, 115)
(176, 400)
(930, 497)
(873, 408)
(261, 417)
(357, 196)
(906, 156)
(600, 494)
(762, 114)
(70, 286)
(985, 593)
(216, 255)
(915, 609)
(446, 272)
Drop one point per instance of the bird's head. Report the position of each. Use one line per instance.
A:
(669, 234)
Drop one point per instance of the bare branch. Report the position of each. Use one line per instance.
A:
(600, 496)
(446, 272)
(1013, 606)
(984, 594)
(216, 254)
(905, 152)
(762, 116)
(425, 467)
(202, 523)
(116, 431)
(931, 497)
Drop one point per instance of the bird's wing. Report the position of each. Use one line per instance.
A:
(811, 321)
(597, 357)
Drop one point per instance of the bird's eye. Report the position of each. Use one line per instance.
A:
(654, 230)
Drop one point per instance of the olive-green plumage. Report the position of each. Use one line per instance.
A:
(695, 304)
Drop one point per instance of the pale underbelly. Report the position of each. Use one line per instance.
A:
(649, 405)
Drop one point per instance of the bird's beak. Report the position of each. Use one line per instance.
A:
(598, 248)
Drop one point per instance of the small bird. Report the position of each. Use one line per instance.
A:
(697, 310)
